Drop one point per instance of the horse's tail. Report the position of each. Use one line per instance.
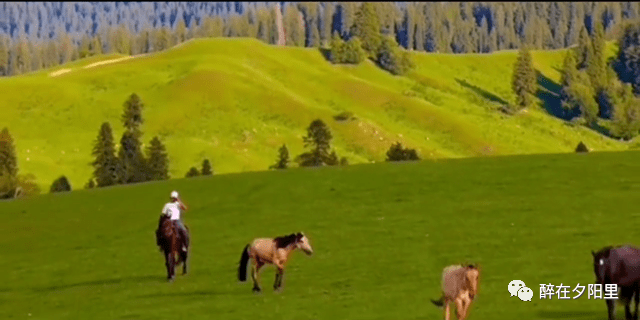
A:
(242, 269)
(438, 303)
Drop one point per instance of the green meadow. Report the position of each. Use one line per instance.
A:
(236, 101)
(381, 233)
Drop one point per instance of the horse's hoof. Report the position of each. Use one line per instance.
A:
(256, 290)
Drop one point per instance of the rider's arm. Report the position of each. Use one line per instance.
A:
(183, 206)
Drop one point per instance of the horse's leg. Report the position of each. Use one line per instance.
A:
(447, 309)
(627, 308)
(459, 308)
(636, 298)
(611, 308)
(169, 262)
(279, 274)
(184, 256)
(255, 274)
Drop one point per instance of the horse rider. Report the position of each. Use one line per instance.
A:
(173, 210)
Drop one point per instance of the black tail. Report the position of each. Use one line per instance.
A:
(438, 303)
(242, 269)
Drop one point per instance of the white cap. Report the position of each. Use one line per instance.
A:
(174, 194)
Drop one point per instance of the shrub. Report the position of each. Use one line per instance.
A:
(391, 58)
(193, 172)
(60, 185)
(398, 153)
(582, 147)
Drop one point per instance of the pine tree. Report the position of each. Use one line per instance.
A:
(4, 56)
(568, 77)
(96, 45)
(319, 140)
(132, 165)
(8, 165)
(327, 23)
(585, 48)
(105, 163)
(158, 160)
(524, 79)
(367, 28)
(132, 162)
(626, 113)
(8, 160)
(132, 115)
(206, 168)
(283, 158)
(85, 46)
(628, 60)
(181, 30)
(596, 65)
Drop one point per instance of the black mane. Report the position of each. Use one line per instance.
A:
(284, 241)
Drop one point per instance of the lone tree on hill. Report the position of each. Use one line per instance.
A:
(319, 140)
(524, 79)
(283, 158)
(158, 163)
(193, 172)
(60, 185)
(398, 153)
(8, 165)
(105, 163)
(206, 168)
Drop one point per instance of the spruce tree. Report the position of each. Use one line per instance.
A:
(158, 160)
(584, 49)
(132, 115)
(626, 113)
(524, 79)
(8, 160)
(132, 166)
(206, 168)
(596, 65)
(318, 139)
(367, 27)
(105, 163)
(283, 158)
(8, 165)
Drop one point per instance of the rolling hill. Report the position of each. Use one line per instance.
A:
(381, 234)
(235, 101)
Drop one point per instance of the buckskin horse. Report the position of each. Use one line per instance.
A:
(459, 285)
(619, 265)
(274, 251)
(170, 242)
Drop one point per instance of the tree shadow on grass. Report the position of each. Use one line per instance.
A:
(549, 93)
(326, 53)
(484, 93)
(102, 282)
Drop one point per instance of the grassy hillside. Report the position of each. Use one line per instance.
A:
(382, 234)
(236, 101)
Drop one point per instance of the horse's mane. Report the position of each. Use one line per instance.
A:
(284, 241)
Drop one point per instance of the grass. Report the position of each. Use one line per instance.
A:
(382, 234)
(236, 101)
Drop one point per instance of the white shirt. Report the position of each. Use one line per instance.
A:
(172, 209)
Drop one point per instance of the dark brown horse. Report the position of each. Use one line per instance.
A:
(171, 243)
(621, 266)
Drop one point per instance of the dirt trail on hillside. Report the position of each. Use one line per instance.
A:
(95, 64)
